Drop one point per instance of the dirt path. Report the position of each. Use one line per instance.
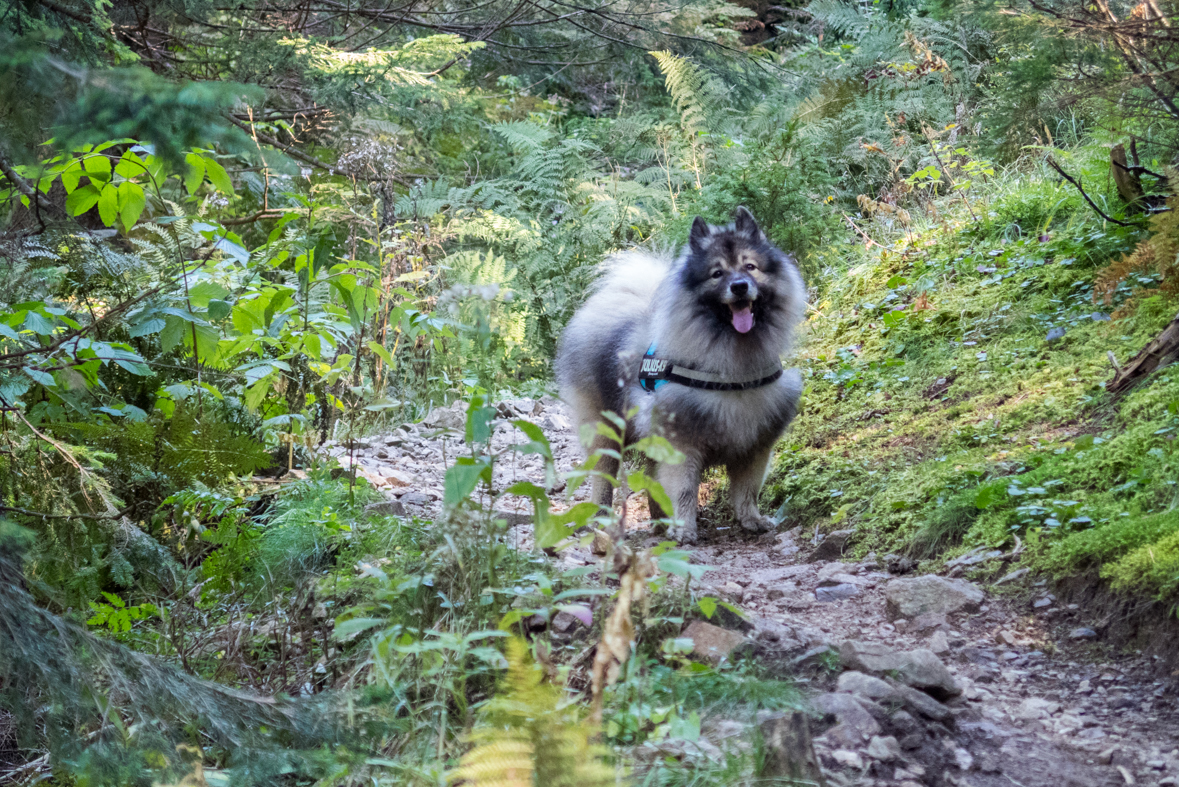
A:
(1015, 690)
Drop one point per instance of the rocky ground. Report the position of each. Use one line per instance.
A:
(915, 680)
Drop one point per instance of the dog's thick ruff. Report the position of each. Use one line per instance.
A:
(729, 304)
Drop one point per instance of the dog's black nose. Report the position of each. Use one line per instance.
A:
(739, 288)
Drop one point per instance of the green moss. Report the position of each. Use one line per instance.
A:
(1152, 568)
(939, 416)
(1112, 541)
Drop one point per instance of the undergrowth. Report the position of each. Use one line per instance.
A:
(956, 397)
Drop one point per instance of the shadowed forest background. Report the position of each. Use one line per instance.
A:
(233, 233)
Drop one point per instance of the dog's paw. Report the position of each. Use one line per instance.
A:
(756, 523)
(683, 534)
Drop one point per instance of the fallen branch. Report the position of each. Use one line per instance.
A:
(1162, 350)
(1077, 184)
(867, 240)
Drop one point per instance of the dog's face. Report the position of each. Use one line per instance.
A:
(735, 272)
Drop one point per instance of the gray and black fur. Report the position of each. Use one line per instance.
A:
(688, 308)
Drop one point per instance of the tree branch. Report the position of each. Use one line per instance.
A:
(1077, 184)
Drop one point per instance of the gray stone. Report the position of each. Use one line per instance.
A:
(513, 518)
(839, 578)
(921, 703)
(864, 686)
(453, 417)
(771, 576)
(1082, 633)
(858, 724)
(1036, 708)
(884, 748)
(939, 643)
(910, 597)
(899, 564)
(927, 621)
(713, 643)
(831, 547)
(1056, 334)
(385, 508)
(836, 593)
(415, 499)
(1018, 573)
(601, 544)
(920, 668)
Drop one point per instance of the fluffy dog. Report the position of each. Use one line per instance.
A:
(693, 344)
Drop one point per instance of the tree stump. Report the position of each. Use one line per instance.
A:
(790, 755)
(1128, 183)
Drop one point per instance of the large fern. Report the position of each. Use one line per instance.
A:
(528, 736)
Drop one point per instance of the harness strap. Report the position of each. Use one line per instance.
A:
(655, 372)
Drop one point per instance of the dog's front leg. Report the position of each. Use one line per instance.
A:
(745, 480)
(682, 484)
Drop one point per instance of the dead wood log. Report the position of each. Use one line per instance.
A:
(1162, 350)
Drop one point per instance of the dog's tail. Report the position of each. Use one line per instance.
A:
(630, 278)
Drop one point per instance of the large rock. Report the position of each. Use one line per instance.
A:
(831, 547)
(864, 686)
(907, 598)
(920, 668)
(713, 643)
(855, 724)
(920, 702)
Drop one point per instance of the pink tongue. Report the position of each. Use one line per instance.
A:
(743, 320)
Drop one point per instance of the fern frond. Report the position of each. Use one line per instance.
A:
(524, 136)
(696, 95)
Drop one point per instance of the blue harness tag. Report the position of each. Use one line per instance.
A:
(653, 372)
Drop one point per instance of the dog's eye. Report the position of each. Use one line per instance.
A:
(751, 267)
(716, 274)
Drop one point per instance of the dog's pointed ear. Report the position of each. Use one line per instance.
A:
(745, 224)
(698, 235)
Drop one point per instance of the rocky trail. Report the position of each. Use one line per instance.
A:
(913, 679)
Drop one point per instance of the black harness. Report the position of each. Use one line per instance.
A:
(655, 372)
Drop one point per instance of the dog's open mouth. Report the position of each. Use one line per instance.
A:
(742, 316)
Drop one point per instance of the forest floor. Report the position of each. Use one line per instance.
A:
(1018, 689)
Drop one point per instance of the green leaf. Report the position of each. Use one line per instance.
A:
(660, 450)
(218, 176)
(988, 495)
(707, 605)
(98, 167)
(71, 175)
(138, 369)
(108, 205)
(42, 378)
(537, 442)
(479, 421)
(461, 479)
(219, 309)
(194, 174)
(641, 482)
(38, 324)
(380, 351)
(82, 200)
(131, 203)
(347, 628)
(130, 166)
